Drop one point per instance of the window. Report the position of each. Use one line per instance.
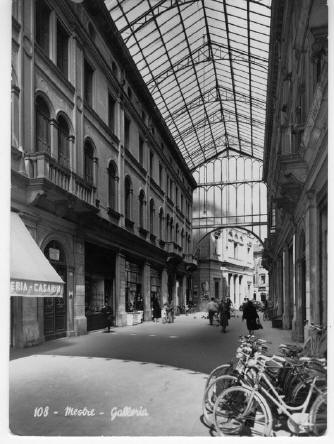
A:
(141, 151)
(262, 279)
(143, 116)
(171, 189)
(167, 186)
(126, 132)
(151, 163)
(167, 227)
(181, 203)
(112, 185)
(177, 233)
(129, 93)
(88, 162)
(235, 252)
(152, 211)
(171, 230)
(141, 208)
(62, 49)
(128, 197)
(176, 195)
(63, 142)
(111, 112)
(42, 126)
(160, 175)
(42, 25)
(161, 219)
(88, 83)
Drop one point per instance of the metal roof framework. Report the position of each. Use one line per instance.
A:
(205, 64)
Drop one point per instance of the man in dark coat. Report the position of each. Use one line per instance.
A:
(224, 314)
(251, 316)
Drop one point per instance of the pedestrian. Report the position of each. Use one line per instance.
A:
(108, 316)
(170, 312)
(251, 316)
(156, 310)
(224, 314)
(164, 318)
(212, 310)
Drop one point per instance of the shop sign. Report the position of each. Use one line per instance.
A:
(20, 287)
(54, 254)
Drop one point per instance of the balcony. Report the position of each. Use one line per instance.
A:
(53, 184)
(190, 262)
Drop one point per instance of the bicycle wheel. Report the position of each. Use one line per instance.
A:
(318, 415)
(221, 370)
(217, 386)
(243, 412)
(300, 391)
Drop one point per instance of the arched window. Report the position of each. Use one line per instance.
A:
(141, 208)
(167, 227)
(112, 185)
(152, 211)
(88, 162)
(63, 142)
(128, 197)
(42, 126)
(171, 230)
(161, 219)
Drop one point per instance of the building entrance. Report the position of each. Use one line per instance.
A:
(55, 309)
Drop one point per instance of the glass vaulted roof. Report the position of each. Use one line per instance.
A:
(205, 64)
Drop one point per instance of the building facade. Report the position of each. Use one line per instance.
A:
(225, 267)
(96, 176)
(295, 164)
(260, 276)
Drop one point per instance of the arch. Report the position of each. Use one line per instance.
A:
(128, 197)
(64, 116)
(89, 150)
(42, 125)
(152, 212)
(161, 218)
(223, 227)
(63, 140)
(46, 98)
(112, 185)
(65, 243)
(141, 208)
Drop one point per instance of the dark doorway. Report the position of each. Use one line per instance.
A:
(55, 309)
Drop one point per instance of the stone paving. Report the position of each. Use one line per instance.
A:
(146, 380)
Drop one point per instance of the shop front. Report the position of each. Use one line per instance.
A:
(99, 285)
(34, 284)
(134, 302)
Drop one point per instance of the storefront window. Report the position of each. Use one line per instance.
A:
(133, 295)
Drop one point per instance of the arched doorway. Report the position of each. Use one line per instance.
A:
(55, 309)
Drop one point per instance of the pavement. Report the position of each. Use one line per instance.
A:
(144, 380)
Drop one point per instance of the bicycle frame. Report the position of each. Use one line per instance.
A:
(276, 399)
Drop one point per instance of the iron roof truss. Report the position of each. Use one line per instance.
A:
(205, 64)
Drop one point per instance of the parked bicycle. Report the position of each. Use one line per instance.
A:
(256, 406)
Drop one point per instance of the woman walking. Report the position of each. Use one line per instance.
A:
(251, 316)
(156, 310)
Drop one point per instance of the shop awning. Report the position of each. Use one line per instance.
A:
(31, 274)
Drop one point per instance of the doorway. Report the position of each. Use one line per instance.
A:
(55, 309)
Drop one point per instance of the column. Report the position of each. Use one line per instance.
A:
(294, 317)
(286, 296)
(120, 282)
(279, 286)
(232, 288)
(312, 260)
(236, 289)
(146, 289)
(70, 301)
(80, 320)
(164, 286)
(184, 290)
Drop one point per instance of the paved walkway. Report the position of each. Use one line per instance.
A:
(145, 380)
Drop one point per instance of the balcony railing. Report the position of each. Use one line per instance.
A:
(43, 166)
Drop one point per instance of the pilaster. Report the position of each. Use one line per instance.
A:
(80, 320)
(120, 282)
(146, 289)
